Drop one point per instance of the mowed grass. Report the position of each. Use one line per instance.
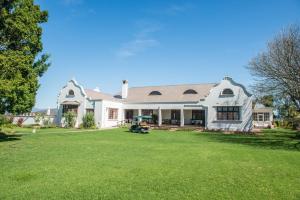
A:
(117, 164)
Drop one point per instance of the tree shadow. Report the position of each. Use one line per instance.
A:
(271, 139)
(9, 137)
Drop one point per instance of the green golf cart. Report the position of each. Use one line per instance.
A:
(140, 125)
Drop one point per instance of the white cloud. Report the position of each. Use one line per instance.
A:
(141, 41)
(72, 2)
(176, 8)
(136, 46)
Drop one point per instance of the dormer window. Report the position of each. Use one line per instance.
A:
(190, 91)
(154, 93)
(227, 91)
(71, 93)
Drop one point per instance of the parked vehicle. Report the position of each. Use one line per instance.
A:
(140, 125)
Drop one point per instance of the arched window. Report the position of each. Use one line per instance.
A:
(190, 91)
(155, 93)
(71, 93)
(227, 91)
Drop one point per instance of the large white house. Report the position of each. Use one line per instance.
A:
(223, 106)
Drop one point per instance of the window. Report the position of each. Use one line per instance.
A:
(155, 93)
(112, 113)
(70, 108)
(190, 91)
(198, 114)
(260, 117)
(227, 91)
(71, 93)
(228, 113)
(266, 116)
(90, 110)
(254, 116)
(175, 114)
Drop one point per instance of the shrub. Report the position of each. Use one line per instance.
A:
(4, 120)
(46, 121)
(20, 122)
(38, 117)
(70, 118)
(88, 121)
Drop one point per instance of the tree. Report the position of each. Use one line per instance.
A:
(266, 100)
(277, 70)
(21, 61)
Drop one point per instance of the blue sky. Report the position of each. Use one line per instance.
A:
(101, 42)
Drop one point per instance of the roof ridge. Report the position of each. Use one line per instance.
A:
(99, 92)
(185, 84)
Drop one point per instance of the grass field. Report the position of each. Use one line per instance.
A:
(116, 164)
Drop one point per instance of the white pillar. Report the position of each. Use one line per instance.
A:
(159, 117)
(181, 117)
(139, 114)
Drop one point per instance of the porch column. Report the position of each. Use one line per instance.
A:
(159, 117)
(139, 114)
(181, 117)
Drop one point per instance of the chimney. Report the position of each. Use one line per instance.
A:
(97, 89)
(227, 78)
(124, 89)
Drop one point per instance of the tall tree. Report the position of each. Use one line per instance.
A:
(21, 61)
(277, 70)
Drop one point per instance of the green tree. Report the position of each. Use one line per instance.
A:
(21, 61)
(266, 100)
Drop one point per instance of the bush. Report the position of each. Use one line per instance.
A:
(88, 121)
(4, 120)
(70, 119)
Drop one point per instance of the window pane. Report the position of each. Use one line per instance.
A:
(266, 116)
(228, 113)
(236, 116)
(255, 116)
(112, 113)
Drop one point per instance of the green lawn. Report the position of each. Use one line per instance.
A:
(116, 164)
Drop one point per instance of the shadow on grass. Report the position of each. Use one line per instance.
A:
(271, 139)
(9, 137)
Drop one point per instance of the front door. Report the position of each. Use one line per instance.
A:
(129, 115)
(175, 117)
(198, 117)
(260, 117)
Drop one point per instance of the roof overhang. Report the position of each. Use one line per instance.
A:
(70, 103)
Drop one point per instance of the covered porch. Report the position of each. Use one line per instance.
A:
(169, 117)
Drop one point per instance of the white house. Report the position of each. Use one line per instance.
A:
(224, 106)
(262, 116)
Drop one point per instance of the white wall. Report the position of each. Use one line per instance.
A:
(29, 120)
(105, 122)
(241, 98)
(79, 95)
(98, 113)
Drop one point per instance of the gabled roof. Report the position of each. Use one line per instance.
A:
(261, 108)
(169, 93)
(94, 95)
